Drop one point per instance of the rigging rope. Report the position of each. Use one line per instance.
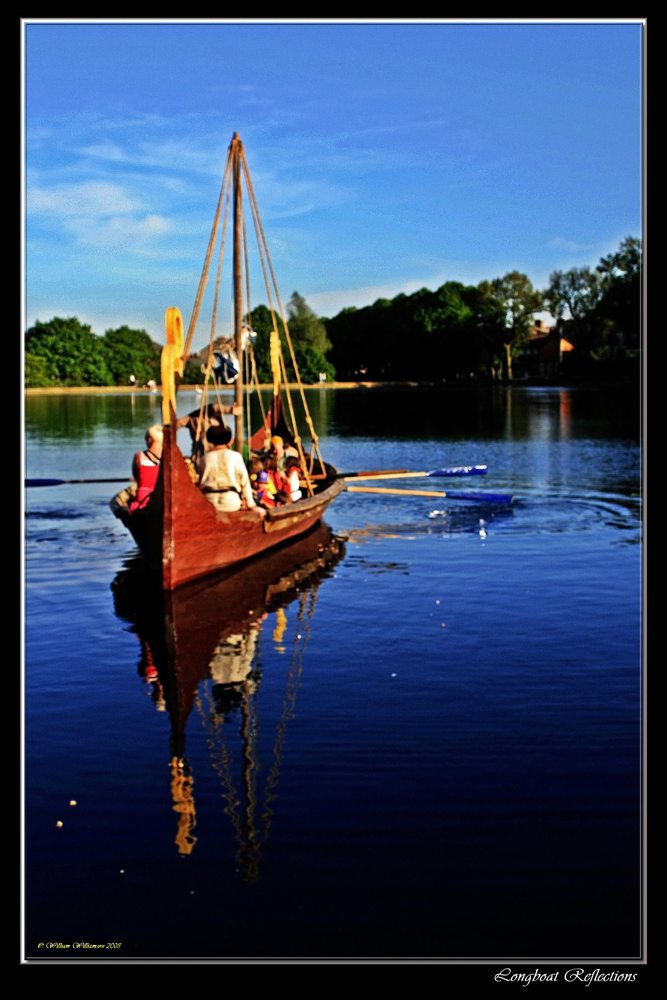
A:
(205, 270)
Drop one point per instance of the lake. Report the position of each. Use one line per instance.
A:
(420, 739)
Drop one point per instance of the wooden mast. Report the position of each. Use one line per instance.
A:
(238, 292)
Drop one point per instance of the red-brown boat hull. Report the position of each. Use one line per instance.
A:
(197, 539)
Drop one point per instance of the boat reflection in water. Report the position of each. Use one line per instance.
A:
(209, 631)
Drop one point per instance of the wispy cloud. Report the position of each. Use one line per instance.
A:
(560, 241)
(99, 214)
(122, 232)
(90, 198)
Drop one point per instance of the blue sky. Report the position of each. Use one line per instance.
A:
(385, 157)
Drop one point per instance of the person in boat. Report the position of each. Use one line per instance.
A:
(280, 453)
(255, 466)
(292, 470)
(277, 480)
(223, 477)
(266, 491)
(146, 466)
(214, 416)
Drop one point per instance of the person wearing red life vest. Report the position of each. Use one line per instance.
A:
(146, 466)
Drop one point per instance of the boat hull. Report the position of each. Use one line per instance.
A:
(186, 537)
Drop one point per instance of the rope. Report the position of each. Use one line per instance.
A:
(292, 688)
(209, 360)
(253, 201)
(207, 264)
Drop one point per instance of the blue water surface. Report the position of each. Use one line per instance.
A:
(441, 753)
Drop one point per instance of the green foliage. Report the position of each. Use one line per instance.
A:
(620, 305)
(309, 339)
(520, 301)
(131, 352)
(35, 372)
(600, 309)
(72, 353)
(192, 375)
(306, 329)
(428, 336)
(311, 363)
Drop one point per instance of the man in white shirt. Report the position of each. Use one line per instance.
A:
(223, 477)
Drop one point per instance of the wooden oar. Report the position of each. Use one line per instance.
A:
(461, 470)
(485, 497)
(379, 473)
(59, 482)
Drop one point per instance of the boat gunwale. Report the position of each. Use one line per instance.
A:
(306, 503)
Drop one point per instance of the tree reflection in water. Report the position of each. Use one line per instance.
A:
(201, 648)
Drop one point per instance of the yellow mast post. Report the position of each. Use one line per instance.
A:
(171, 361)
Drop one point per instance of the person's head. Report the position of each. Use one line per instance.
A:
(154, 438)
(262, 477)
(218, 435)
(277, 446)
(255, 465)
(292, 462)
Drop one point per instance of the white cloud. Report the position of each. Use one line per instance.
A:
(93, 199)
(121, 232)
(105, 151)
(99, 214)
(560, 241)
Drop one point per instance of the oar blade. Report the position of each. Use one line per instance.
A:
(461, 470)
(42, 482)
(60, 482)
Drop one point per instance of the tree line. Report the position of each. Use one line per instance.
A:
(462, 330)
(454, 332)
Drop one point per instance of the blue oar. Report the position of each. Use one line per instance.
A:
(484, 497)
(60, 482)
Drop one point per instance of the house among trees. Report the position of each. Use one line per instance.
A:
(543, 354)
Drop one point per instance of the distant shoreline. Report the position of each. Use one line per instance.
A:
(268, 387)
(530, 383)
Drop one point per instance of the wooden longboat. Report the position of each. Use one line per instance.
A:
(181, 532)
(184, 536)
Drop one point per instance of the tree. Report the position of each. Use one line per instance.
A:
(620, 305)
(309, 340)
(520, 301)
(35, 372)
(486, 328)
(311, 364)
(576, 294)
(262, 324)
(72, 353)
(306, 329)
(131, 352)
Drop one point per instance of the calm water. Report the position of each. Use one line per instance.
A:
(426, 744)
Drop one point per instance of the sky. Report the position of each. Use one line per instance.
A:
(386, 157)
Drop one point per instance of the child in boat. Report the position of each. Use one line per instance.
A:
(223, 476)
(266, 491)
(278, 480)
(292, 469)
(255, 466)
(146, 466)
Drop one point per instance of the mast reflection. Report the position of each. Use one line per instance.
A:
(200, 648)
